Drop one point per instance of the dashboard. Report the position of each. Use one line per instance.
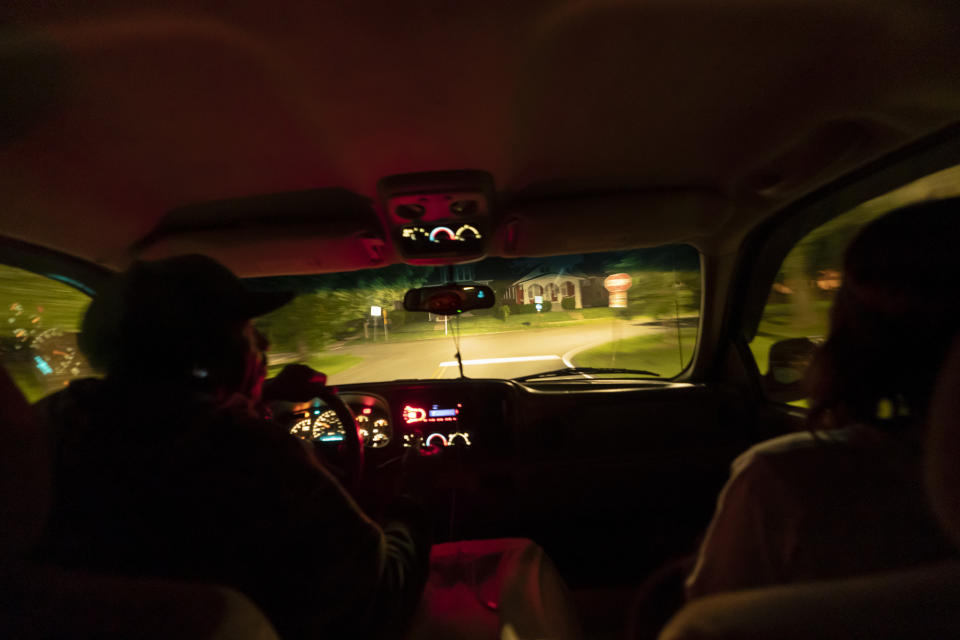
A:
(567, 463)
(426, 416)
(435, 424)
(488, 417)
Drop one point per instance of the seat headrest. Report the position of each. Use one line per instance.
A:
(943, 445)
(25, 476)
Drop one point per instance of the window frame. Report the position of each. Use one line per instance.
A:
(86, 277)
(768, 244)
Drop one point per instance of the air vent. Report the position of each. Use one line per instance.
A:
(410, 211)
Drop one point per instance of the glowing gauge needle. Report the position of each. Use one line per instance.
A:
(438, 230)
(436, 436)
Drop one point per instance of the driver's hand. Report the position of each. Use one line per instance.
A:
(295, 383)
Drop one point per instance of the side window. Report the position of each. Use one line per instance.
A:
(799, 301)
(38, 331)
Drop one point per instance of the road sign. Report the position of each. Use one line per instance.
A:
(618, 282)
(376, 311)
(538, 299)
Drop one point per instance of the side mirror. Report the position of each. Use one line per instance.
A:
(449, 299)
(789, 361)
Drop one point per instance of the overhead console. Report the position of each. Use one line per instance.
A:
(438, 217)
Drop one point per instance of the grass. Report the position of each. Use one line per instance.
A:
(328, 363)
(28, 383)
(57, 305)
(473, 325)
(657, 352)
(32, 304)
(779, 322)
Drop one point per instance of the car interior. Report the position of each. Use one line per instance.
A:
(334, 140)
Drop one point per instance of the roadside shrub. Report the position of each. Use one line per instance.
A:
(483, 313)
(529, 308)
(569, 304)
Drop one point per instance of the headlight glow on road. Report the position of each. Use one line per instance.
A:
(453, 363)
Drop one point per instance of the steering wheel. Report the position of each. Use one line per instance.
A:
(351, 449)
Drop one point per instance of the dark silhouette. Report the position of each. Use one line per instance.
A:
(846, 498)
(166, 467)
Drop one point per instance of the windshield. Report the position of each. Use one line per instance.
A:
(635, 309)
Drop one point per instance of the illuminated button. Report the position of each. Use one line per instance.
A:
(414, 414)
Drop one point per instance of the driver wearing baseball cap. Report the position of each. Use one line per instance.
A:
(166, 467)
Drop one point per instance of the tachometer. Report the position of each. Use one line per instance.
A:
(303, 429)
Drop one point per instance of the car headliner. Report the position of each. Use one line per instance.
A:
(605, 125)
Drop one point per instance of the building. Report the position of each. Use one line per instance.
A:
(554, 284)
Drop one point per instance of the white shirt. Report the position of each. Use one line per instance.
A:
(805, 507)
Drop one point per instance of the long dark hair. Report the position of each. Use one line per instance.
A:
(892, 322)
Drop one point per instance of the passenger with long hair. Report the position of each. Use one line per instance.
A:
(846, 497)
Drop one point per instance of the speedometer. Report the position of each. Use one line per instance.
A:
(328, 428)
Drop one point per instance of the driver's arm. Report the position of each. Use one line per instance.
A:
(327, 567)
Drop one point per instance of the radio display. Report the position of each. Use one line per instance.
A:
(414, 414)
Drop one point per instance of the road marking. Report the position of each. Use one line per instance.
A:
(438, 373)
(453, 363)
(569, 354)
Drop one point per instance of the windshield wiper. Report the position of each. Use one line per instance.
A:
(571, 371)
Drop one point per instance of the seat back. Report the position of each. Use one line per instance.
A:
(48, 602)
(25, 479)
(918, 603)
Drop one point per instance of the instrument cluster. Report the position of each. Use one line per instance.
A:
(430, 425)
(319, 423)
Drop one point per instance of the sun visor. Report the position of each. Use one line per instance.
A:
(314, 231)
(257, 252)
(610, 223)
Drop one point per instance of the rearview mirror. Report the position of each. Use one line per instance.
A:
(789, 361)
(449, 299)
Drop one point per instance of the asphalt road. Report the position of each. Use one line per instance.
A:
(484, 355)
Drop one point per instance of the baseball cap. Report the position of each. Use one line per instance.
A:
(156, 305)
